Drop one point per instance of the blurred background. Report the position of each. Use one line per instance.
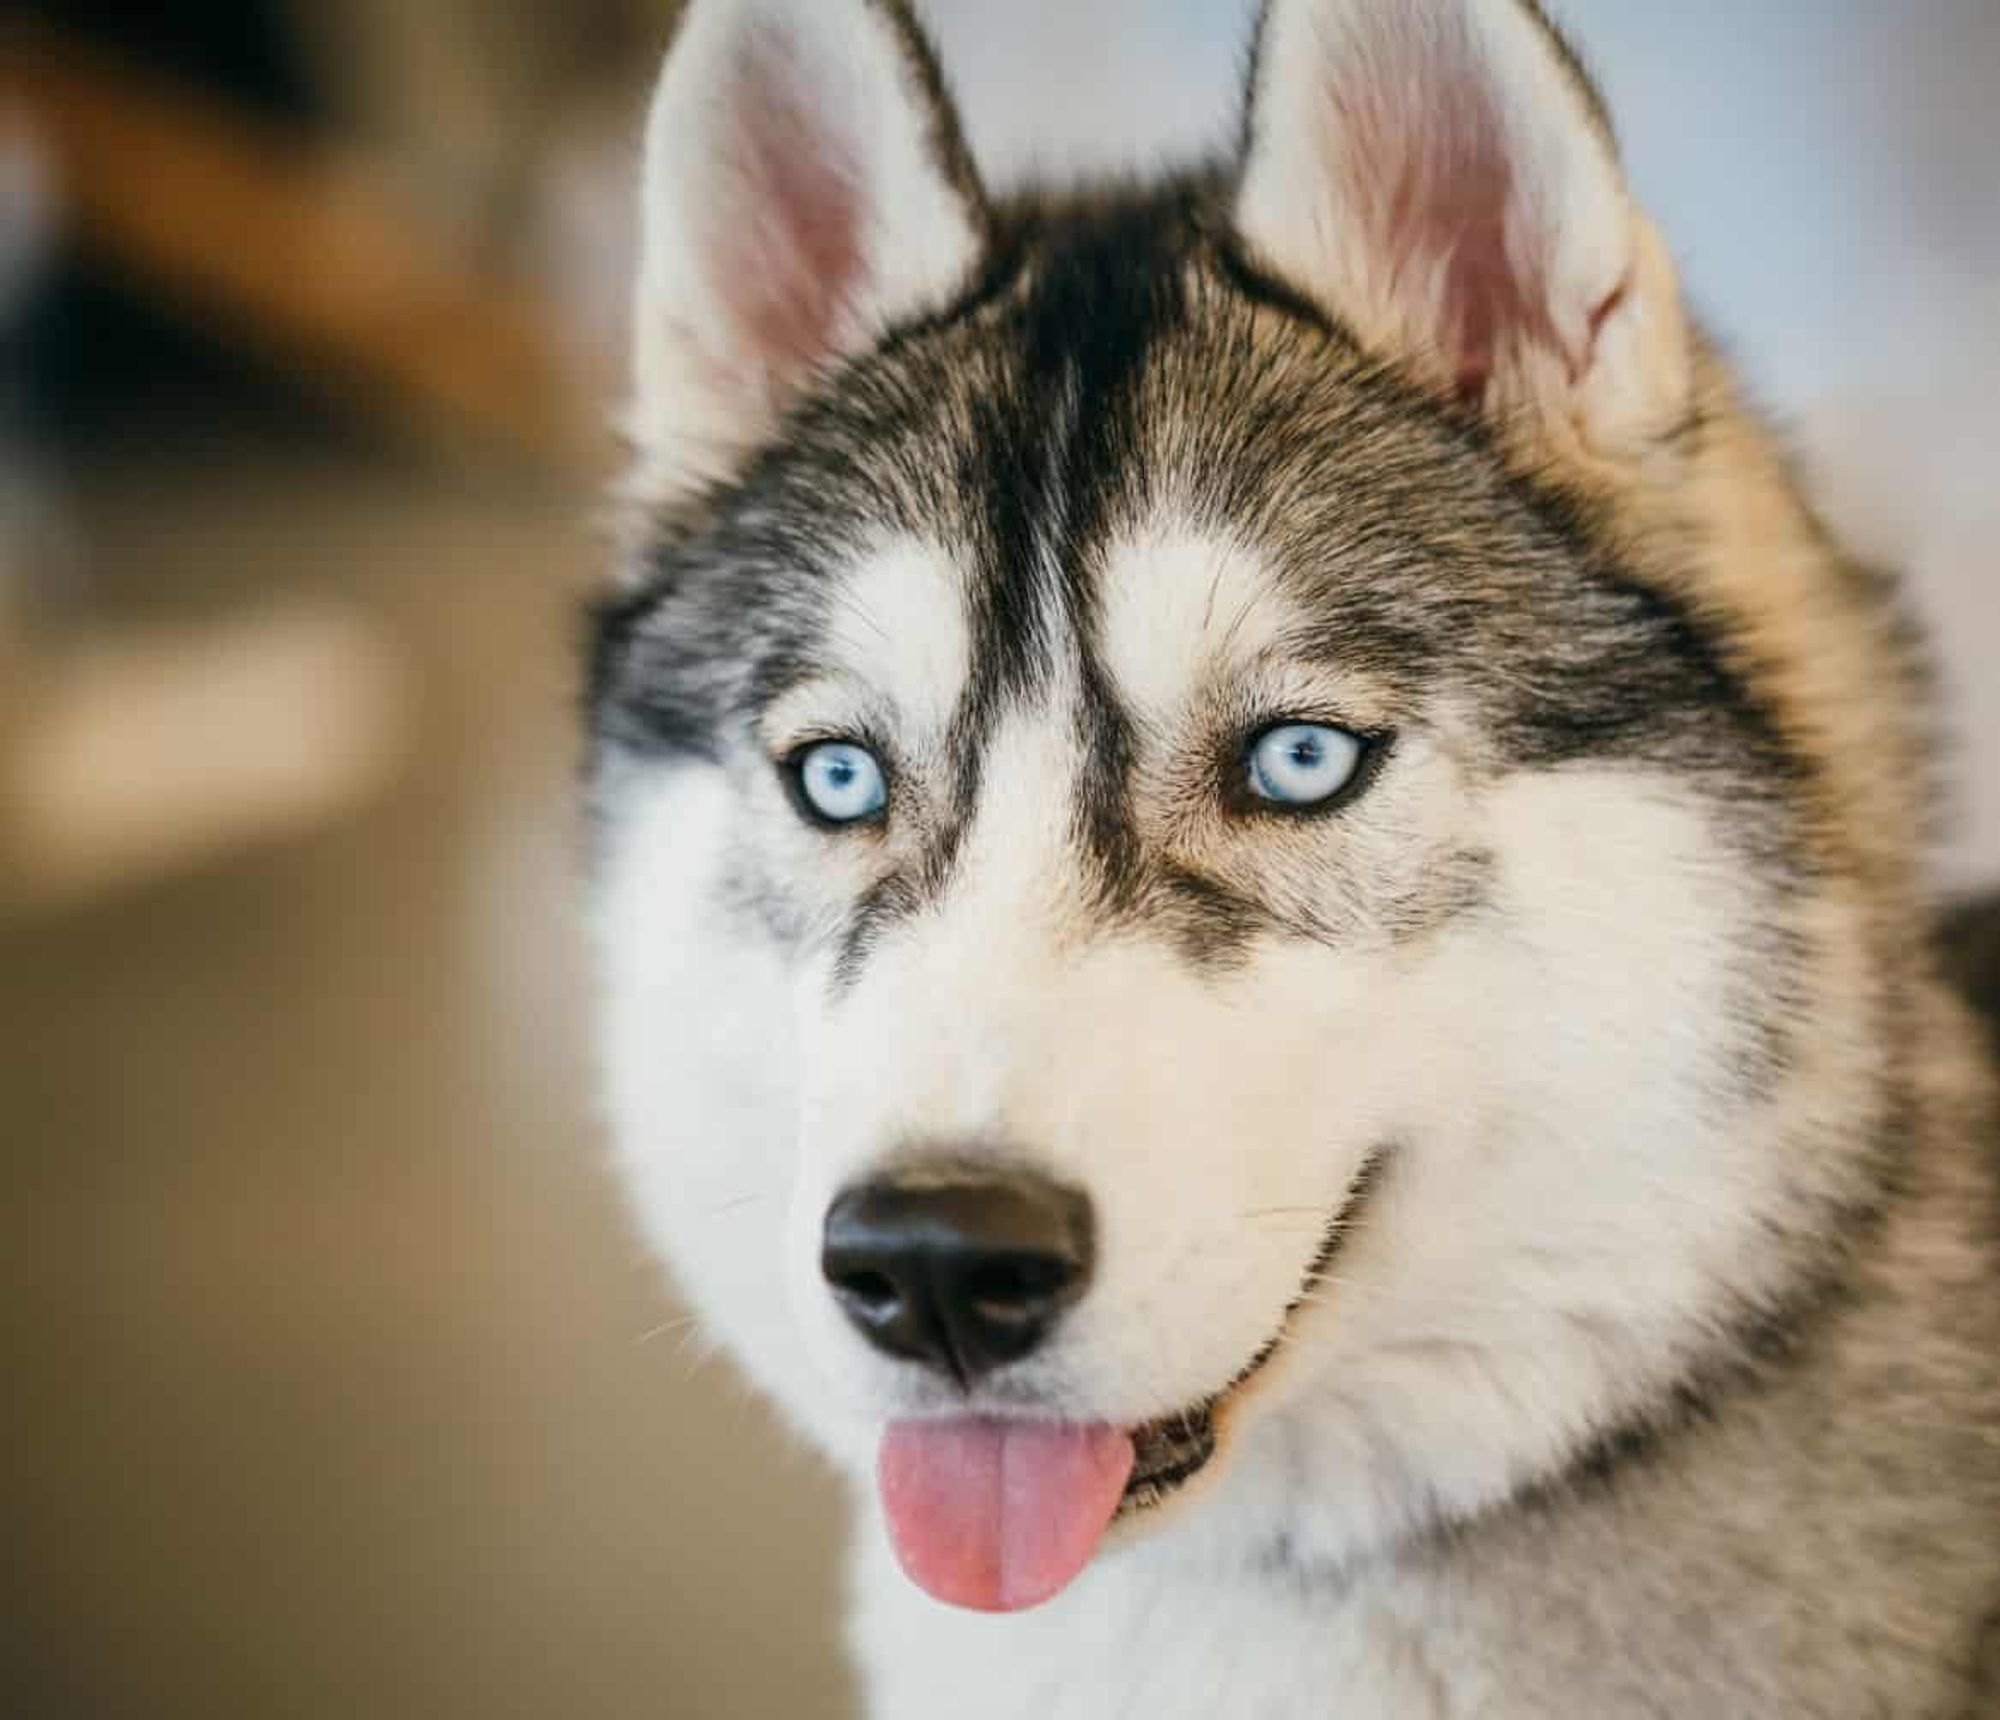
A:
(337, 1382)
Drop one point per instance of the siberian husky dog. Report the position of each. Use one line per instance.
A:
(1260, 900)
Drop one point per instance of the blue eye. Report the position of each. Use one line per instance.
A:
(841, 782)
(1304, 764)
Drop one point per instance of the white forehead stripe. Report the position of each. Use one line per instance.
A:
(1177, 605)
(899, 628)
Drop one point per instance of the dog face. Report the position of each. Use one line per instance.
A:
(1171, 867)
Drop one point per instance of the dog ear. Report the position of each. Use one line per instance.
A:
(806, 188)
(1441, 177)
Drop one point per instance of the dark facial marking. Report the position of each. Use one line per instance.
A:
(1115, 353)
(1048, 460)
(1211, 924)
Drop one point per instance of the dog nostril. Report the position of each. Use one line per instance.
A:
(1013, 1291)
(872, 1290)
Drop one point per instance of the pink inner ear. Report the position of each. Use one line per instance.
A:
(789, 254)
(1419, 134)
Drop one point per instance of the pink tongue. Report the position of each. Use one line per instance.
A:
(1000, 1515)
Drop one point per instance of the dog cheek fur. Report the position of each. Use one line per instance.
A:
(1596, 1186)
(700, 1073)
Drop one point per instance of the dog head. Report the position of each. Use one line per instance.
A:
(1224, 834)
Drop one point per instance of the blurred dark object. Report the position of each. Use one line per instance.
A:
(1972, 955)
(282, 247)
(244, 51)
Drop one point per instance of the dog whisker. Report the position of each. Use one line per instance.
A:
(667, 1327)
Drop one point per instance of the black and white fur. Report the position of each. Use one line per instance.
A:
(1655, 1368)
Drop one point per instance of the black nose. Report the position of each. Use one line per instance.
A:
(960, 1268)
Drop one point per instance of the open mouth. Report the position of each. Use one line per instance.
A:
(1168, 1454)
(1001, 1515)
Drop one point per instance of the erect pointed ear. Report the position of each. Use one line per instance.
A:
(806, 188)
(1441, 177)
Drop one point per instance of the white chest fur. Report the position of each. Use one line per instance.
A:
(1143, 1634)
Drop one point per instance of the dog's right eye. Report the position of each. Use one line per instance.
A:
(838, 783)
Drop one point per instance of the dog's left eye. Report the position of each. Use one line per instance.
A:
(1304, 764)
(840, 782)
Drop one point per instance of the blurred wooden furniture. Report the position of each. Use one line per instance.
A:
(272, 241)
